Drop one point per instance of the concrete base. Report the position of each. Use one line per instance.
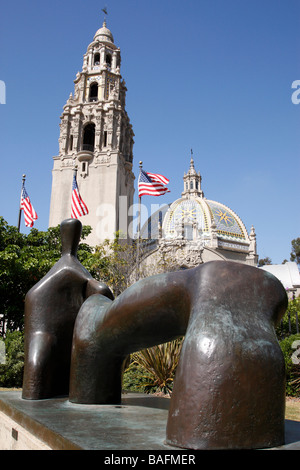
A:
(138, 424)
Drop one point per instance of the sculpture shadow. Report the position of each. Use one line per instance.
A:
(147, 401)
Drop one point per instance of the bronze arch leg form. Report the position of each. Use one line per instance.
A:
(229, 389)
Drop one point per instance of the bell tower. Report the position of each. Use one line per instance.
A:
(96, 138)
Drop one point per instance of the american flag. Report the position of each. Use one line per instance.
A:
(29, 213)
(78, 207)
(152, 184)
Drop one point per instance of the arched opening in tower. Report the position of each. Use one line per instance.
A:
(108, 60)
(89, 137)
(93, 92)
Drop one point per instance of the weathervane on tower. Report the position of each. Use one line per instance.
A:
(105, 12)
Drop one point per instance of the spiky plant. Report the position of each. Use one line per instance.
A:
(296, 380)
(158, 364)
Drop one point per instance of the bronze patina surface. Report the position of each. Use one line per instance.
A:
(51, 307)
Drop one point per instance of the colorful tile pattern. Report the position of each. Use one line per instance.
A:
(227, 222)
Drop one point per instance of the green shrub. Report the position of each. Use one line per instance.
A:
(292, 370)
(11, 372)
(134, 378)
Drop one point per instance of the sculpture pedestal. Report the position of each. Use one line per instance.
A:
(138, 424)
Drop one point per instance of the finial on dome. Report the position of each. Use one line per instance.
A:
(252, 232)
(192, 160)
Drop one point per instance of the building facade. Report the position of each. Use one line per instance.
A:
(96, 140)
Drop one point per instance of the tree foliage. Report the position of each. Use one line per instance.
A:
(113, 262)
(11, 370)
(295, 253)
(264, 261)
(120, 264)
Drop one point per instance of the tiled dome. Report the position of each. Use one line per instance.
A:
(200, 211)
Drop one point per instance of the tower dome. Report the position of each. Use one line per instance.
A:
(104, 35)
(194, 229)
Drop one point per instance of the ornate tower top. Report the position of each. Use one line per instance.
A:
(192, 182)
(96, 137)
(97, 108)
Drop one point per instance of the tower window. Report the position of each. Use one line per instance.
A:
(84, 169)
(108, 60)
(93, 92)
(191, 185)
(105, 139)
(97, 59)
(89, 137)
(71, 142)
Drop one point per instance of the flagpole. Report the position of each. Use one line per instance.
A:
(75, 169)
(139, 235)
(20, 210)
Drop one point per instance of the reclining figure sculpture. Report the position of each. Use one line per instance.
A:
(229, 389)
(51, 307)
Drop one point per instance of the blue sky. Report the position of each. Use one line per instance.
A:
(211, 75)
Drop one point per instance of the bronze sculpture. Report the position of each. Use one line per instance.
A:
(229, 389)
(51, 307)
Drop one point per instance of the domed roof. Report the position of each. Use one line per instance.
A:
(206, 216)
(194, 217)
(104, 35)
